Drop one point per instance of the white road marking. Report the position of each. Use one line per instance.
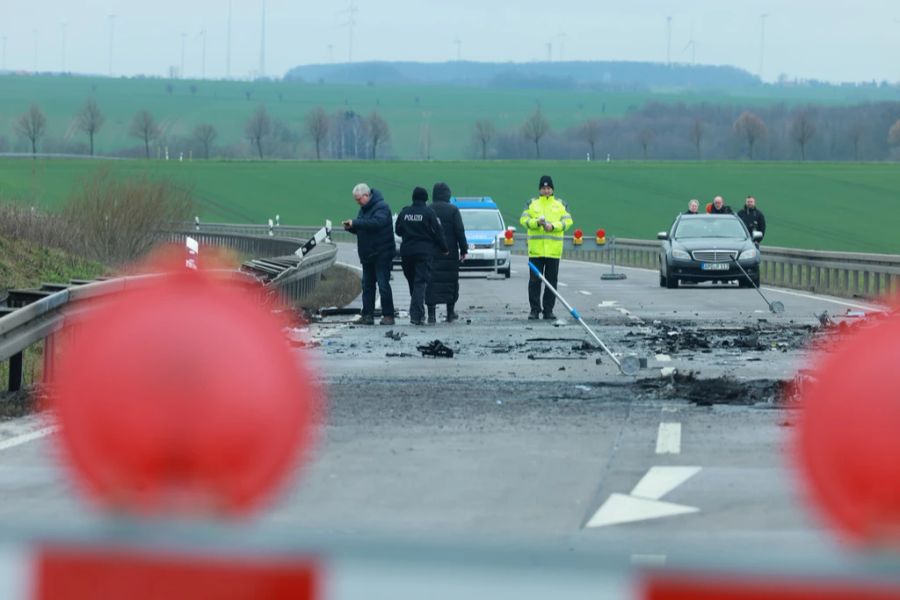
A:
(620, 508)
(825, 299)
(659, 481)
(649, 560)
(644, 501)
(585, 292)
(27, 437)
(561, 284)
(668, 438)
(607, 304)
(663, 358)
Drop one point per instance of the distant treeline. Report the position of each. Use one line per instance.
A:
(867, 132)
(864, 132)
(614, 75)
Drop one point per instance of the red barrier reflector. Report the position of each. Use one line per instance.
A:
(182, 397)
(116, 574)
(578, 234)
(675, 587)
(847, 439)
(601, 233)
(508, 234)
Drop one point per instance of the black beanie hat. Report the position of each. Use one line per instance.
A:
(545, 180)
(441, 192)
(420, 195)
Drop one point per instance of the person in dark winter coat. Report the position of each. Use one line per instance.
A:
(375, 246)
(444, 285)
(422, 236)
(753, 218)
(719, 207)
(693, 207)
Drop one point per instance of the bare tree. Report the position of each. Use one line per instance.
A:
(32, 125)
(90, 120)
(590, 133)
(205, 134)
(856, 133)
(483, 134)
(535, 128)
(750, 128)
(379, 132)
(258, 128)
(317, 127)
(144, 127)
(645, 138)
(802, 129)
(894, 134)
(697, 132)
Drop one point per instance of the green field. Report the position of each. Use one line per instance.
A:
(449, 112)
(833, 206)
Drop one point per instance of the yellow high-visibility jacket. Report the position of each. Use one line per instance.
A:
(543, 243)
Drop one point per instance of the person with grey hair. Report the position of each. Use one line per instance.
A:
(375, 245)
(693, 207)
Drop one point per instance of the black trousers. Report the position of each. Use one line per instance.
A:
(417, 270)
(549, 267)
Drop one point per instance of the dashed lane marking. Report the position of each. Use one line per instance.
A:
(668, 438)
(585, 293)
(27, 437)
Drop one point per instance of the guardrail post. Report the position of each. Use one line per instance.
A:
(49, 356)
(16, 364)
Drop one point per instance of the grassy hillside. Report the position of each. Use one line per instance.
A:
(837, 206)
(25, 264)
(448, 111)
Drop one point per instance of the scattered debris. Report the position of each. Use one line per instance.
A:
(435, 349)
(394, 335)
(398, 355)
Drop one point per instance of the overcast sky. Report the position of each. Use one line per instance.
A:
(833, 40)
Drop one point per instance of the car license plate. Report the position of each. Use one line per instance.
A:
(714, 266)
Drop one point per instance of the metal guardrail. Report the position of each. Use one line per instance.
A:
(38, 320)
(846, 274)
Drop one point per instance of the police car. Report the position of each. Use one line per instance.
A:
(484, 225)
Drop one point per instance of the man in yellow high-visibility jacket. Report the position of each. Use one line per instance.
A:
(546, 218)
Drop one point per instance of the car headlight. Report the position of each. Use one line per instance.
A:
(749, 254)
(683, 255)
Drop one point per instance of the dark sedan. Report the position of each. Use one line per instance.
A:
(704, 248)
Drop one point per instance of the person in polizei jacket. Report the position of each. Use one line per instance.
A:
(546, 219)
(423, 237)
(375, 246)
(444, 285)
(752, 217)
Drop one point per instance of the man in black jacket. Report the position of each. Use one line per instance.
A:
(422, 236)
(753, 217)
(444, 285)
(719, 207)
(375, 246)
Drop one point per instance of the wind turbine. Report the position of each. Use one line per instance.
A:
(63, 26)
(202, 36)
(458, 43)
(762, 42)
(112, 28)
(692, 44)
(350, 24)
(669, 40)
(262, 43)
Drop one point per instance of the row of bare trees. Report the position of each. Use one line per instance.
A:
(666, 131)
(344, 134)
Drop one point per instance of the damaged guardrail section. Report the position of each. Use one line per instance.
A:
(24, 327)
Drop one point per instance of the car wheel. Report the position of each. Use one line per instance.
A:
(671, 283)
(662, 280)
(507, 273)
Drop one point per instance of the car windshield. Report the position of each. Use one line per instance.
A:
(709, 228)
(477, 219)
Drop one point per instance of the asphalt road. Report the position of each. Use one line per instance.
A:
(523, 436)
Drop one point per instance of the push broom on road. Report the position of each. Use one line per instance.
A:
(776, 307)
(629, 365)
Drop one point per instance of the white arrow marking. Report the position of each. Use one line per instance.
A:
(620, 508)
(659, 481)
(644, 502)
